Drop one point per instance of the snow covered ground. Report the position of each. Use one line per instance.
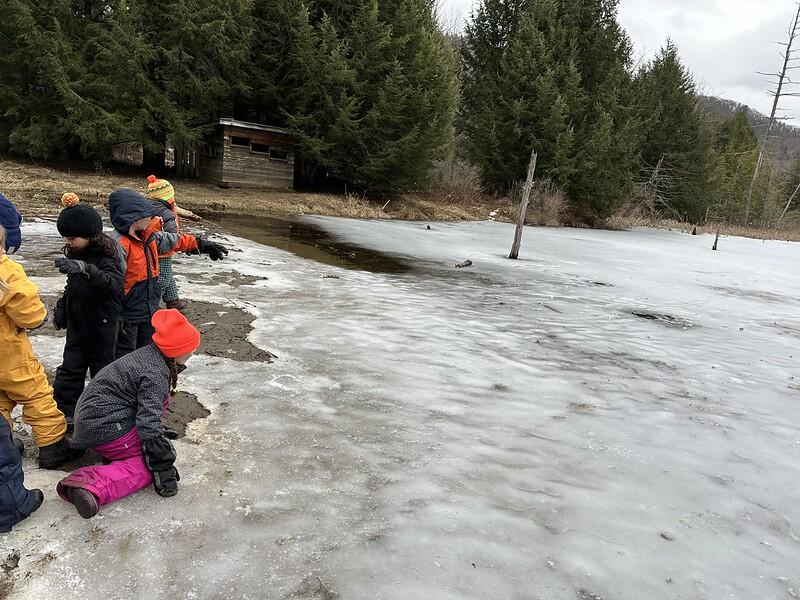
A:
(512, 430)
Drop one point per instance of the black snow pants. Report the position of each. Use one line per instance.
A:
(84, 351)
(15, 501)
(133, 336)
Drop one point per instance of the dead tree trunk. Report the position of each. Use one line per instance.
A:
(716, 240)
(523, 207)
(782, 77)
(789, 203)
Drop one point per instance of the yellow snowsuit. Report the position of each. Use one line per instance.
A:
(22, 378)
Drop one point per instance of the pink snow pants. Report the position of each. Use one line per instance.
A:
(126, 475)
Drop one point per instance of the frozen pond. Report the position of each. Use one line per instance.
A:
(615, 416)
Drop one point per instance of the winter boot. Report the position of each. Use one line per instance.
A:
(38, 497)
(20, 446)
(35, 498)
(57, 454)
(84, 501)
(179, 304)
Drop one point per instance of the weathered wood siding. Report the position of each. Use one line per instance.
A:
(241, 166)
(210, 168)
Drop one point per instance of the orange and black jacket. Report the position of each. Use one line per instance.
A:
(139, 255)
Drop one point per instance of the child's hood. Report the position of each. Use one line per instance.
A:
(10, 219)
(127, 207)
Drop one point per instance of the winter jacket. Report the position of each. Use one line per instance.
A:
(142, 294)
(166, 211)
(20, 309)
(93, 301)
(130, 391)
(10, 219)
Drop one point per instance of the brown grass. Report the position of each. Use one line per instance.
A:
(790, 233)
(37, 189)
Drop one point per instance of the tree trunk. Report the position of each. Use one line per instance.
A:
(788, 204)
(523, 207)
(782, 76)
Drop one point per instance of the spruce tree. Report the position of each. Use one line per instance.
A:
(552, 75)
(368, 88)
(676, 132)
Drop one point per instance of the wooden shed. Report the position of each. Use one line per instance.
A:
(247, 154)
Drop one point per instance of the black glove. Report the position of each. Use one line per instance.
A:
(59, 317)
(166, 482)
(159, 456)
(214, 250)
(70, 266)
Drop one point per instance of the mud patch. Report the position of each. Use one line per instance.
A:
(229, 278)
(183, 409)
(7, 567)
(587, 595)
(663, 318)
(225, 330)
(314, 588)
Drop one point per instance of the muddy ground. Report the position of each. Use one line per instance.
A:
(224, 330)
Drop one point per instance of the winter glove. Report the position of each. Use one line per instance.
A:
(166, 482)
(59, 317)
(159, 456)
(214, 250)
(70, 266)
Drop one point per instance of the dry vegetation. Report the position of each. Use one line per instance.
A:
(789, 233)
(37, 188)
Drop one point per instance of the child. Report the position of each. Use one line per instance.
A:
(16, 503)
(91, 307)
(119, 417)
(135, 230)
(22, 378)
(11, 220)
(161, 192)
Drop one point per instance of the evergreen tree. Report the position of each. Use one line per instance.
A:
(675, 132)
(36, 69)
(552, 75)
(367, 87)
(735, 154)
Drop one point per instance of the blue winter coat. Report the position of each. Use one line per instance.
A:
(10, 219)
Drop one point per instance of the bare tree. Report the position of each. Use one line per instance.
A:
(789, 64)
(789, 203)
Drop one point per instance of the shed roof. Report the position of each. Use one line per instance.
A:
(255, 126)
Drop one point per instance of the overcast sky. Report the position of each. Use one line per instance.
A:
(723, 42)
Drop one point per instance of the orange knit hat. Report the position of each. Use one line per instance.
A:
(174, 334)
(159, 189)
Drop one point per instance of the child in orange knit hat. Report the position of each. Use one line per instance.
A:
(161, 192)
(119, 417)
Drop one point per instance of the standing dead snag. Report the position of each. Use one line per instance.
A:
(716, 240)
(783, 79)
(523, 207)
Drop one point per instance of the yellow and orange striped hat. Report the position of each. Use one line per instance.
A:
(159, 189)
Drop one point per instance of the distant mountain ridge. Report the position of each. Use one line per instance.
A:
(785, 145)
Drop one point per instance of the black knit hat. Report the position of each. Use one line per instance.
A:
(78, 219)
